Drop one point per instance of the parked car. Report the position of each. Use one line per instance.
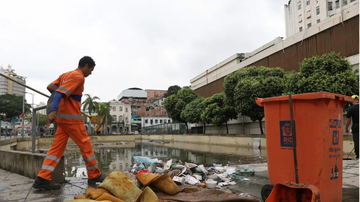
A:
(5, 128)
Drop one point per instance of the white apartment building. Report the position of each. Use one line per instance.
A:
(302, 14)
(121, 114)
(8, 86)
(154, 120)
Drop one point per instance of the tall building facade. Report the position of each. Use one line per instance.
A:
(121, 116)
(303, 14)
(145, 108)
(8, 86)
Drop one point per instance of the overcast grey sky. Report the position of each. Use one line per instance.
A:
(150, 44)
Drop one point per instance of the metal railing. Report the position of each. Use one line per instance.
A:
(166, 128)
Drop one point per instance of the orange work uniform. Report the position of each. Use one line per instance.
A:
(70, 123)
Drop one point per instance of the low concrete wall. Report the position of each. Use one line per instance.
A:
(96, 139)
(28, 164)
(246, 141)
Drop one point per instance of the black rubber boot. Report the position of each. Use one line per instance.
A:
(98, 179)
(42, 184)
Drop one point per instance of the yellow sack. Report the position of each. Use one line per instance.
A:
(121, 186)
(97, 192)
(163, 182)
(88, 191)
(80, 197)
(109, 197)
(86, 200)
(147, 178)
(167, 185)
(148, 196)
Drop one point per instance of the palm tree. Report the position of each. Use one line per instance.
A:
(90, 104)
(104, 110)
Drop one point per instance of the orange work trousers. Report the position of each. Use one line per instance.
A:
(78, 133)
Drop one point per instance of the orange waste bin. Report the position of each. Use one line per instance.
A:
(318, 124)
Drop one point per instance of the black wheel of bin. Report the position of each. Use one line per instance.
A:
(266, 190)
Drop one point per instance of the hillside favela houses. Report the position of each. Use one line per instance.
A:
(312, 28)
(136, 108)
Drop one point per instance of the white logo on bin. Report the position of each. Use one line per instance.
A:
(286, 137)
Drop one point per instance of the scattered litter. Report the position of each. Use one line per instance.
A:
(244, 195)
(246, 171)
(168, 164)
(193, 174)
(191, 180)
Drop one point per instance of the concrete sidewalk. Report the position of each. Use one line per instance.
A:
(17, 188)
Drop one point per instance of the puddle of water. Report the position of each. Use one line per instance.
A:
(118, 157)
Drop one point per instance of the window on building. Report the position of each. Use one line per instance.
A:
(151, 121)
(126, 120)
(120, 118)
(126, 109)
(344, 2)
(114, 118)
(146, 121)
(317, 10)
(318, 20)
(330, 5)
(337, 3)
(300, 29)
(156, 121)
(120, 108)
(114, 108)
(309, 25)
(308, 2)
(352, 1)
(299, 5)
(164, 120)
(160, 121)
(169, 121)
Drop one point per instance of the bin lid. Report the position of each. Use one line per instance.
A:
(305, 96)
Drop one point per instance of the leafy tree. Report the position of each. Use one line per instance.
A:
(217, 111)
(247, 84)
(175, 104)
(90, 103)
(172, 90)
(104, 110)
(43, 120)
(329, 72)
(11, 105)
(193, 110)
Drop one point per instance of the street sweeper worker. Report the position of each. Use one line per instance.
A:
(65, 111)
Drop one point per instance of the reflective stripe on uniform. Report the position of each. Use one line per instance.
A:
(46, 167)
(70, 116)
(53, 86)
(65, 90)
(92, 167)
(90, 158)
(53, 158)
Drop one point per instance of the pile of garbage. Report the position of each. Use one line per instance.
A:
(152, 180)
(216, 176)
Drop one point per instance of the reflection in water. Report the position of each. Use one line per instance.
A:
(119, 158)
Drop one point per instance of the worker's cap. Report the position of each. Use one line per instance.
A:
(355, 97)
